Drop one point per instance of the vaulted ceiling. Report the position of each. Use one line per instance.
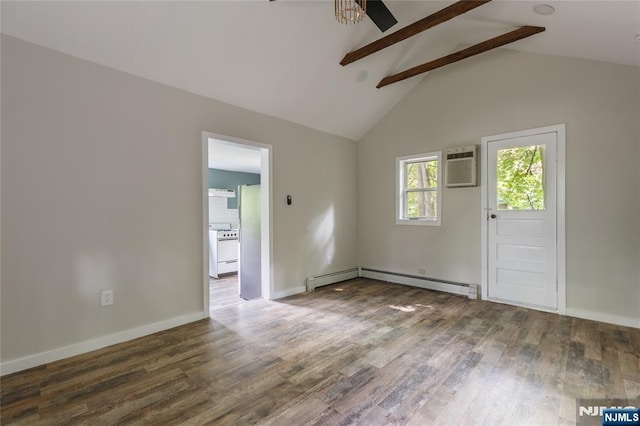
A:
(282, 57)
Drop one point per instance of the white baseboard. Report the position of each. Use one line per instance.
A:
(332, 278)
(416, 282)
(57, 354)
(289, 292)
(602, 317)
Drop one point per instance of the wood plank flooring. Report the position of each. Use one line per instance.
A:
(359, 352)
(223, 292)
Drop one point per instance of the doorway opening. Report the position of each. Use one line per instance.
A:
(523, 222)
(237, 221)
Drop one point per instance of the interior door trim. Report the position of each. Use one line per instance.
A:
(266, 180)
(560, 130)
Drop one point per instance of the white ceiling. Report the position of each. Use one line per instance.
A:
(282, 58)
(230, 156)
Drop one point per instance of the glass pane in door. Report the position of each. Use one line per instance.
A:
(520, 178)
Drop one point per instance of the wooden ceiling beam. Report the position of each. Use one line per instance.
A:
(417, 27)
(493, 43)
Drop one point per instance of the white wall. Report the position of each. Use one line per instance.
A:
(220, 213)
(101, 188)
(505, 91)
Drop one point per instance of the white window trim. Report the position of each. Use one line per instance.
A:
(399, 208)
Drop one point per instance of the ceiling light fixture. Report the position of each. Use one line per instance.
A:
(544, 9)
(350, 11)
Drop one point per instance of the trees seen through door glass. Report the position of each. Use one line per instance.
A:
(520, 178)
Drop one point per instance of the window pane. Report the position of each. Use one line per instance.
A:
(421, 175)
(520, 178)
(421, 204)
(432, 173)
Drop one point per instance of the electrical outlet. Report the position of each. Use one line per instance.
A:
(106, 298)
(422, 271)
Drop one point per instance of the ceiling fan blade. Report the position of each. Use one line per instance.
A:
(380, 15)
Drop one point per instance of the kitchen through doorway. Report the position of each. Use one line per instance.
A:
(237, 212)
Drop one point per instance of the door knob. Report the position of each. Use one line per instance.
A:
(493, 216)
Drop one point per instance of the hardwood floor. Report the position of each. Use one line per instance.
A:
(223, 292)
(358, 352)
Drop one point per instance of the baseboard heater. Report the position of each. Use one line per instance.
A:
(332, 278)
(463, 289)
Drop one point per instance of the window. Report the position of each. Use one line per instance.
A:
(520, 178)
(418, 185)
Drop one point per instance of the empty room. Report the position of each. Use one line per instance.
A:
(296, 212)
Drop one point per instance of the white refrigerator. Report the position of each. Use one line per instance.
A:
(250, 272)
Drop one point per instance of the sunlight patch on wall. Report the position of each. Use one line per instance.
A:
(323, 229)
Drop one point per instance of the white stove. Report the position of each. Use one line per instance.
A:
(223, 249)
(219, 227)
(227, 235)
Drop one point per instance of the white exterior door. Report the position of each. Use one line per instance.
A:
(521, 218)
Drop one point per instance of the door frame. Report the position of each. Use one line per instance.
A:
(560, 130)
(266, 237)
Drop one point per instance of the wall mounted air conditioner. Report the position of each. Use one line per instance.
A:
(461, 166)
(227, 193)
